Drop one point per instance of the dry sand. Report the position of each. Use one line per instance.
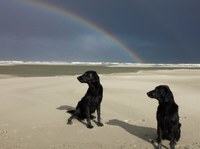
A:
(33, 111)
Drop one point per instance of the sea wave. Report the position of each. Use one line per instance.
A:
(109, 64)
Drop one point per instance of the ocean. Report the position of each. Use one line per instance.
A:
(43, 69)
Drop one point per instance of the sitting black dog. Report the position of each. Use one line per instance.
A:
(168, 126)
(91, 101)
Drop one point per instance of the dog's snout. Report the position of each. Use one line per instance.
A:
(80, 78)
(150, 94)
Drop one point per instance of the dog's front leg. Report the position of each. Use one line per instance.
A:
(99, 123)
(76, 113)
(172, 145)
(159, 139)
(172, 142)
(89, 125)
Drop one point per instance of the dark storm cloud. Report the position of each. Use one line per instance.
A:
(171, 28)
(158, 31)
(139, 17)
(28, 32)
(19, 19)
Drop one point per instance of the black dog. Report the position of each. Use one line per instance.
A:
(168, 126)
(91, 101)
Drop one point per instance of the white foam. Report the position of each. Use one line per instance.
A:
(109, 64)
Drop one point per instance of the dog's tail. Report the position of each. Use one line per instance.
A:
(71, 111)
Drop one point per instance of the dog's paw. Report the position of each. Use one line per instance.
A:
(89, 126)
(99, 124)
(69, 122)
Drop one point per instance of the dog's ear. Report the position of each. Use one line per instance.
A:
(95, 77)
(169, 97)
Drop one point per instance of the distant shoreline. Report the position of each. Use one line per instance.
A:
(44, 70)
(110, 64)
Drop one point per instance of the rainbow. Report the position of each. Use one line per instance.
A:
(86, 23)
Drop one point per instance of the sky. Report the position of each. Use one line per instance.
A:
(135, 31)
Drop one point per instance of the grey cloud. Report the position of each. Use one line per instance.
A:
(159, 31)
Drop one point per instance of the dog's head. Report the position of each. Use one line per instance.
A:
(162, 93)
(89, 77)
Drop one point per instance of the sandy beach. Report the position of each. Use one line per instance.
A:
(33, 109)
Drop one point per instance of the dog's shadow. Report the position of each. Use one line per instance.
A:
(145, 133)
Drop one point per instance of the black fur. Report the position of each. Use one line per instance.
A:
(168, 126)
(91, 101)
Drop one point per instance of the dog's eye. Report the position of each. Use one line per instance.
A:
(157, 91)
(85, 74)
